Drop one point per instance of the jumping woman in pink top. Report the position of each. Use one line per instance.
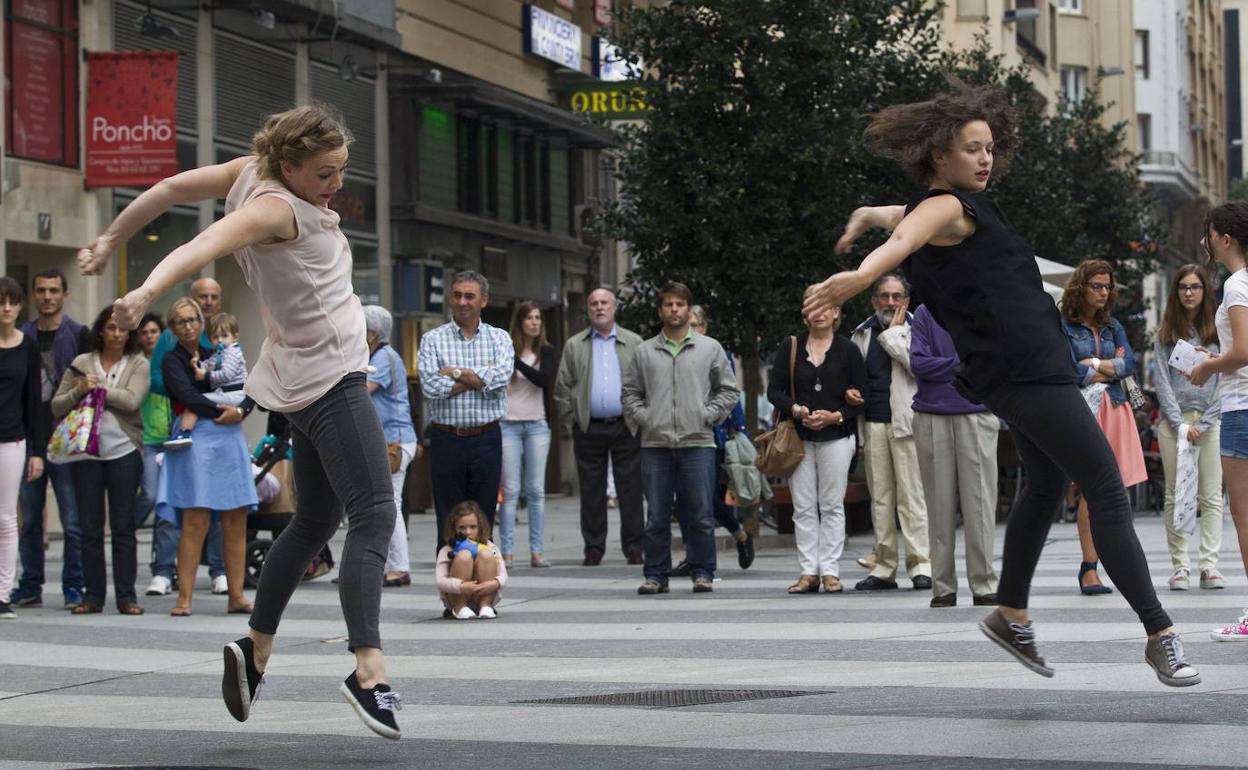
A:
(311, 368)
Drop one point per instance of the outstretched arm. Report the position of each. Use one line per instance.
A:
(936, 217)
(187, 187)
(267, 218)
(866, 217)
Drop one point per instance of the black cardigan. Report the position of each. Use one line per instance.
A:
(842, 368)
(184, 389)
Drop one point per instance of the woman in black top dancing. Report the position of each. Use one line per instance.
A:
(980, 281)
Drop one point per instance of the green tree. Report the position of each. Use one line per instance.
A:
(752, 157)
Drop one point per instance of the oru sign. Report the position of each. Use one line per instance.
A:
(131, 136)
(551, 37)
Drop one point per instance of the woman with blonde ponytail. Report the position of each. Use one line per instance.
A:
(280, 229)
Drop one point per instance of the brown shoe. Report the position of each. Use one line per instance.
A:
(593, 557)
(635, 556)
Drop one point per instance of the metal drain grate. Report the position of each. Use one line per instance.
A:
(658, 699)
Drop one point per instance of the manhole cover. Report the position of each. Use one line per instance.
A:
(672, 698)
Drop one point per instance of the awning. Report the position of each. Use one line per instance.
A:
(1054, 272)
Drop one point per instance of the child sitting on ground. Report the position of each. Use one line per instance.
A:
(470, 570)
(222, 376)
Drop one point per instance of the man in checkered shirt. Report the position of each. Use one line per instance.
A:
(464, 368)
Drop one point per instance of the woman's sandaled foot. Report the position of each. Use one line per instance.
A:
(180, 612)
(832, 584)
(87, 608)
(129, 608)
(239, 609)
(1090, 582)
(806, 584)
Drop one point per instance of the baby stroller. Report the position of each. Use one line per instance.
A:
(272, 459)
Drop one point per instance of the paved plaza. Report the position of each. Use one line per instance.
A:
(884, 681)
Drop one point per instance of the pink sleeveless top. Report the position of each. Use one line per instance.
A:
(314, 321)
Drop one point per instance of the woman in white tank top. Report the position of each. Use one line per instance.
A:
(279, 227)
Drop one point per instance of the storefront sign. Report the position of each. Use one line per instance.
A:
(551, 37)
(610, 61)
(43, 99)
(609, 101)
(131, 102)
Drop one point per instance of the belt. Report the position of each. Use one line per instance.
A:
(606, 420)
(464, 432)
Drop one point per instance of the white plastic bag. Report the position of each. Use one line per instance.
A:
(1186, 479)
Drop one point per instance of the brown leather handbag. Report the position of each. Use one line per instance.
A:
(780, 450)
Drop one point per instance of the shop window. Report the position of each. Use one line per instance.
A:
(469, 165)
(505, 176)
(365, 273)
(41, 77)
(560, 195)
(146, 249)
(543, 190)
(436, 150)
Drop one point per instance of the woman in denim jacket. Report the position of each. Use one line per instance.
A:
(1102, 357)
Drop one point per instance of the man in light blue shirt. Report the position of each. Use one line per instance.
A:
(587, 398)
(464, 368)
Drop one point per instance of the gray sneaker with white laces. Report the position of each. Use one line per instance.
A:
(1165, 655)
(1017, 639)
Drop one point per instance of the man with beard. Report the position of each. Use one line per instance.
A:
(891, 459)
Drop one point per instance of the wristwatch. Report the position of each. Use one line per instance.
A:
(456, 374)
(1096, 364)
(241, 412)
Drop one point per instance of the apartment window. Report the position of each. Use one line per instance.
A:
(1074, 84)
(1027, 33)
(1071, 6)
(972, 9)
(1141, 53)
(1144, 127)
(41, 80)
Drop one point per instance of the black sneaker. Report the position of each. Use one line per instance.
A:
(681, 570)
(1016, 639)
(375, 706)
(873, 583)
(240, 684)
(745, 552)
(6, 611)
(922, 583)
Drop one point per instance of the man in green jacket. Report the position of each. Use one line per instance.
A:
(677, 388)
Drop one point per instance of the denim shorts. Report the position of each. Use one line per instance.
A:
(1235, 434)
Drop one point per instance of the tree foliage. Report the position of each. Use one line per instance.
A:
(752, 157)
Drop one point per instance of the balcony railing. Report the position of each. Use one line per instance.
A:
(1030, 49)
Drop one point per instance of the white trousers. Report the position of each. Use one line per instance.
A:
(896, 487)
(398, 558)
(12, 471)
(818, 489)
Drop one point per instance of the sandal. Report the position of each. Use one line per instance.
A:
(242, 609)
(806, 584)
(398, 580)
(180, 612)
(129, 608)
(87, 608)
(832, 584)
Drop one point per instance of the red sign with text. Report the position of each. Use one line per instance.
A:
(131, 129)
(41, 82)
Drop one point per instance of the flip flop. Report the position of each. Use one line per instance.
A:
(180, 612)
(243, 610)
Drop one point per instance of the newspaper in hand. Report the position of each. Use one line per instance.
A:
(1185, 357)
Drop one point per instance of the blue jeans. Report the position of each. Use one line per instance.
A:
(31, 497)
(165, 534)
(1234, 437)
(689, 476)
(525, 446)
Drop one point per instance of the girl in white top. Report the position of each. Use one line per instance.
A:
(1226, 239)
(279, 227)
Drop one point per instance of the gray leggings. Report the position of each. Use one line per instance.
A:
(340, 462)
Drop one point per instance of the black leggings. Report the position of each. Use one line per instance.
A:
(339, 460)
(1058, 438)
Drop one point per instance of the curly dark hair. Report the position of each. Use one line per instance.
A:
(1073, 305)
(912, 133)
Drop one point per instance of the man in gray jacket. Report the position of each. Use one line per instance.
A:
(678, 387)
(587, 397)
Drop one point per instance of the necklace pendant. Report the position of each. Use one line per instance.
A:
(818, 386)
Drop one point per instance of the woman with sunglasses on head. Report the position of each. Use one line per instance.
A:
(1191, 411)
(980, 281)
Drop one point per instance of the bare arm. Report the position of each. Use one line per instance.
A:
(1230, 360)
(866, 217)
(267, 218)
(939, 217)
(187, 187)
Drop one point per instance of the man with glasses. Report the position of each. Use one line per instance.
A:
(889, 452)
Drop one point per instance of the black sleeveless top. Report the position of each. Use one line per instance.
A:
(987, 293)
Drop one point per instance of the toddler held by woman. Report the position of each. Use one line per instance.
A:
(221, 376)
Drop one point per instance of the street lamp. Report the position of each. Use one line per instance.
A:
(1020, 14)
(1110, 71)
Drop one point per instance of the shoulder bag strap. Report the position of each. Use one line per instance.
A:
(792, 367)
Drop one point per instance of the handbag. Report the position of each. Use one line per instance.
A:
(1134, 394)
(780, 450)
(77, 435)
(395, 453)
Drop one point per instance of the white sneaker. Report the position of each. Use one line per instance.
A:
(1179, 580)
(487, 613)
(465, 613)
(220, 585)
(160, 586)
(1212, 579)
